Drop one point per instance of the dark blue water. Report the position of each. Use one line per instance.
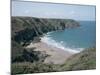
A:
(76, 38)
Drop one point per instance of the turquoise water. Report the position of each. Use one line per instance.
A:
(75, 39)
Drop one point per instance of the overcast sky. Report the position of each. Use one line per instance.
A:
(50, 10)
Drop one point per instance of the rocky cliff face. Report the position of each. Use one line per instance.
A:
(24, 29)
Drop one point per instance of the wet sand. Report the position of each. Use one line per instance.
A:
(57, 55)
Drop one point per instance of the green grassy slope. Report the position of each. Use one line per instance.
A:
(82, 61)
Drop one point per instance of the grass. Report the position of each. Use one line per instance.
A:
(82, 61)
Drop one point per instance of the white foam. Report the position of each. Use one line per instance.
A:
(49, 32)
(48, 40)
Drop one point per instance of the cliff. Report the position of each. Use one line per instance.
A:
(24, 29)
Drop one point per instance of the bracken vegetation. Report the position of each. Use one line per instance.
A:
(83, 61)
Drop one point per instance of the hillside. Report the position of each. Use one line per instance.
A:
(85, 60)
(82, 61)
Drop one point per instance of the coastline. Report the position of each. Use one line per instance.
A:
(56, 55)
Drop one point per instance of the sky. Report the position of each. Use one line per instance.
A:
(52, 10)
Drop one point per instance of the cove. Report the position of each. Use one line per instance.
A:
(74, 39)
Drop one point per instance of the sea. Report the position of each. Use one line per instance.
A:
(73, 39)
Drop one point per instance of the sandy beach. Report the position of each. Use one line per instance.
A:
(57, 56)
